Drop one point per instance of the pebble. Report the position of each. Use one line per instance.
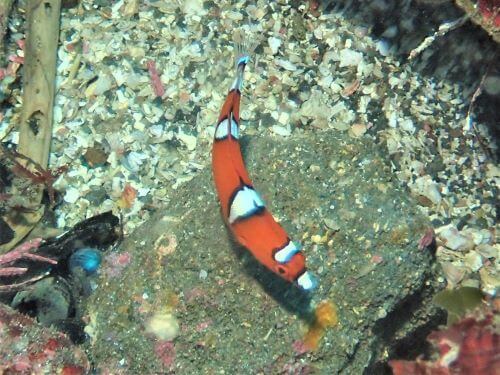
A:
(285, 64)
(428, 188)
(452, 273)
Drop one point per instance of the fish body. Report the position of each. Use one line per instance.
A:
(244, 211)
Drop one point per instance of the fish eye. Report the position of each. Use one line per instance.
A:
(281, 270)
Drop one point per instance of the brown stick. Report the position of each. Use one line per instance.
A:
(35, 131)
(39, 79)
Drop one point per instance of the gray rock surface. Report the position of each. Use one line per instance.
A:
(359, 230)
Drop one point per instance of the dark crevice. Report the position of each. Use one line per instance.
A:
(402, 333)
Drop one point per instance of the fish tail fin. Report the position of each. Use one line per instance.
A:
(243, 51)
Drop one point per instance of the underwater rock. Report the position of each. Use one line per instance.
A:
(470, 346)
(53, 291)
(49, 300)
(256, 317)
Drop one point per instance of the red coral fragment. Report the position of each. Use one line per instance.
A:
(427, 239)
(418, 367)
(490, 10)
(156, 83)
(471, 346)
(72, 370)
(165, 351)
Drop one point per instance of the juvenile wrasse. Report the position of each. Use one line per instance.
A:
(245, 213)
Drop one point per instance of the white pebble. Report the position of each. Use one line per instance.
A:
(349, 57)
(188, 140)
(71, 195)
(284, 131)
(285, 64)
(453, 239)
(428, 188)
(274, 44)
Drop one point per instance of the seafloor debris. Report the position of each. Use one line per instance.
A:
(443, 29)
(471, 346)
(468, 251)
(23, 251)
(458, 302)
(51, 283)
(485, 13)
(325, 316)
(29, 348)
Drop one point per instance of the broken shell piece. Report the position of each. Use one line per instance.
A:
(453, 273)
(489, 251)
(274, 44)
(428, 188)
(188, 140)
(357, 130)
(134, 160)
(99, 87)
(72, 195)
(284, 131)
(453, 239)
(349, 57)
(473, 261)
(482, 236)
(490, 281)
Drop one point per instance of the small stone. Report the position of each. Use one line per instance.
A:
(332, 224)
(285, 64)
(96, 155)
(284, 118)
(490, 280)
(428, 188)
(382, 313)
(489, 251)
(316, 238)
(284, 131)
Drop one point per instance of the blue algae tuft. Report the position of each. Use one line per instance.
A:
(87, 258)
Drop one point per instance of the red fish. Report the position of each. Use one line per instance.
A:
(250, 221)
